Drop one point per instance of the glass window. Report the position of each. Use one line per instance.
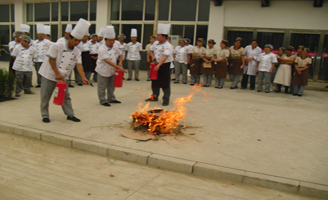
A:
(93, 10)
(64, 11)
(79, 9)
(92, 29)
(42, 14)
(323, 73)
(202, 33)
(148, 31)
(185, 31)
(183, 10)
(54, 33)
(150, 10)
(115, 10)
(276, 39)
(177, 30)
(4, 33)
(203, 10)
(12, 7)
(126, 30)
(247, 37)
(116, 28)
(308, 40)
(29, 12)
(54, 11)
(163, 12)
(132, 10)
(4, 10)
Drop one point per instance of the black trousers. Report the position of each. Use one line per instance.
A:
(244, 81)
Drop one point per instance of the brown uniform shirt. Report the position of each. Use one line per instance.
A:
(236, 53)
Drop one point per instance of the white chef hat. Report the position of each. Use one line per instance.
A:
(163, 28)
(25, 28)
(40, 28)
(134, 33)
(80, 29)
(110, 32)
(47, 30)
(101, 32)
(68, 28)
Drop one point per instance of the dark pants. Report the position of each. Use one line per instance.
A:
(279, 88)
(37, 68)
(244, 82)
(167, 93)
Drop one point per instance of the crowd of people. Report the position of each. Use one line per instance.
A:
(103, 53)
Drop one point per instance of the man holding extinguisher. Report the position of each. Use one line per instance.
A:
(58, 65)
(108, 54)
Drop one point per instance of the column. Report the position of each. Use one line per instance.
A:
(19, 14)
(103, 11)
(216, 23)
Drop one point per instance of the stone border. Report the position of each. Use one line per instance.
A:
(171, 163)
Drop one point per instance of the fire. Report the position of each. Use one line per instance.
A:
(161, 121)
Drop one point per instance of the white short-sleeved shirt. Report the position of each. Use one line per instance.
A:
(133, 51)
(42, 48)
(123, 49)
(105, 52)
(162, 49)
(148, 47)
(12, 45)
(65, 59)
(94, 47)
(83, 46)
(266, 61)
(24, 58)
(181, 54)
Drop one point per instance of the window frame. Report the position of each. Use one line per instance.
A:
(11, 23)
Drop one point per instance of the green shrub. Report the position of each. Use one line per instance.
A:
(7, 84)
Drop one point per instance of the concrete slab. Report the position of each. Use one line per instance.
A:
(170, 163)
(90, 146)
(57, 139)
(314, 190)
(128, 154)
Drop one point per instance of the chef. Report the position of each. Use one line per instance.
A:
(85, 54)
(208, 65)
(301, 75)
(198, 53)
(222, 64)
(181, 61)
(252, 52)
(162, 53)
(152, 39)
(108, 54)
(237, 62)
(26, 30)
(12, 45)
(134, 50)
(42, 46)
(68, 31)
(47, 31)
(100, 38)
(94, 47)
(58, 65)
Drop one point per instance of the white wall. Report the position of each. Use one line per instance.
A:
(216, 24)
(102, 14)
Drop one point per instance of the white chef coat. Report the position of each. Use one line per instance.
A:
(105, 52)
(62, 39)
(266, 61)
(24, 58)
(133, 51)
(162, 49)
(93, 47)
(65, 59)
(189, 47)
(101, 43)
(250, 69)
(181, 54)
(42, 48)
(83, 46)
(123, 49)
(12, 45)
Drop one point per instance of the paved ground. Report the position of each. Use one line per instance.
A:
(274, 134)
(31, 169)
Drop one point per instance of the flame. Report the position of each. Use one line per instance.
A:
(160, 121)
(143, 89)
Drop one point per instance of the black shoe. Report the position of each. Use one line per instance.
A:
(294, 94)
(37, 86)
(205, 86)
(299, 95)
(148, 79)
(165, 104)
(106, 104)
(80, 84)
(46, 120)
(137, 79)
(259, 90)
(74, 119)
(71, 86)
(243, 88)
(115, 101)
(173, 79)
(29, 92)
(128, 79)
(252, 88)
(267, 91)
(236, 87)
(184, 82)
(152, 99)
(123, 79)
(176, 81)
(192, 84)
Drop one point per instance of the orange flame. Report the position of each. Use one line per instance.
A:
(166, 121)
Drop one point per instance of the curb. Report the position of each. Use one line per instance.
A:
(172, 163)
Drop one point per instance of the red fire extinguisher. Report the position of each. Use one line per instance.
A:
(60, 91)
(118, 79)
(153, 75)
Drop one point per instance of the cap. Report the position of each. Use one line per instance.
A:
(40, 28)
(211, 41)
(47, 30)
(163, 29)
(200, 40)
(282, 49)
(182, 39)
(68, 28)
(134, 33)
(92, 35)
(152, 37)
(269, 46)
(101, 32)
(17, 33)
(80, 29)
(187, 40)
(26, 38)
(225, 42)
(25, 28)
(290, 48)
(239, 39)
(301, 47)
(306, 49)
(109, 32)
(121, 35)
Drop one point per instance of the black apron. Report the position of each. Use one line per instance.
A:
(93, 63)
(86, 61)
(11, 64)
(195, 66)
(164, 77)
(221, 70)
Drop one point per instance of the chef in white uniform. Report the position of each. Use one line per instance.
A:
(182, 56)
(134, 50)
(68, 31)
(47, 31)
(61, 60)
(94, 47)
(108, 54)
(100, 38)
(85, 54)
(12, 46)
(42, 46)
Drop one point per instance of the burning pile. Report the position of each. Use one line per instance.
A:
(159, 121)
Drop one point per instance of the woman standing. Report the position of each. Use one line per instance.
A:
(283, 76)
(301, 75)
(208, 66)
(181, 56)
(221, 67)
(237, 62)
(197, 53)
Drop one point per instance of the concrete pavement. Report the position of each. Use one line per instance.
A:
(271, 140)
